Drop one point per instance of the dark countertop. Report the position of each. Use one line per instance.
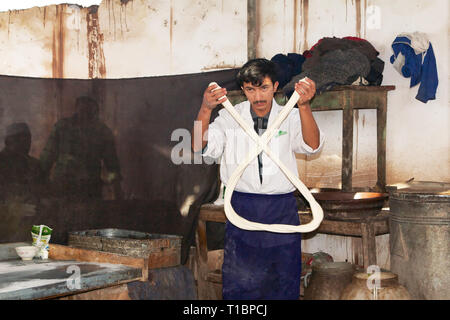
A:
(41, 279)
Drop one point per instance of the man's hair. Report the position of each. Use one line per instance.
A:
(254, 72)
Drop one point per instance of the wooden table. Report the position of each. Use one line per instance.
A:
(367, 229)
(348, 99)
(45, 279)
(39, 279)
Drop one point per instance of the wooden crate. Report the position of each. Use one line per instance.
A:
(161, 250)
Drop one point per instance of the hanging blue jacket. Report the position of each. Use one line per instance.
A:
(423, 72)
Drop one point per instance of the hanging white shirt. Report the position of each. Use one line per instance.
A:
(229, 142)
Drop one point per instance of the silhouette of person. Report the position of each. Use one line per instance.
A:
(77, 148)
(20, 174)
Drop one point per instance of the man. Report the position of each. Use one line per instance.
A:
(259, 264)
(76, 149)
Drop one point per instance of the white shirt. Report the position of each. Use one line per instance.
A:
(229, 142)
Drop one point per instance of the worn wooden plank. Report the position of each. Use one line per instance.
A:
(381, 146)
(61, 252)
(331, 100)
(363, 88)
(169, 257)
(119, 292)
(347, 142)
(369, 244)
(350, 228)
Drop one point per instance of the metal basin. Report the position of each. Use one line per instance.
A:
(339, 205)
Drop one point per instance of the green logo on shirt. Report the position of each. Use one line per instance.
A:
(280, 133)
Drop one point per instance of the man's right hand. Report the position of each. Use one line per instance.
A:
(212, 96)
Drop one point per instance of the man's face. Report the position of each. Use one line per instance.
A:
(260, 97)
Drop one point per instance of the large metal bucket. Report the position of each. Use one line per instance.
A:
(420, 239)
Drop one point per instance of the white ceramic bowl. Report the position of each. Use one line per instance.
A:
(26, 252)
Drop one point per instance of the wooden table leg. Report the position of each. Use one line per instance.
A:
(347, 144)
(381, 146)
(369, 244)
(203, 289)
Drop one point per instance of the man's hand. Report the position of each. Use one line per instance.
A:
(306, 90)
(212, 97)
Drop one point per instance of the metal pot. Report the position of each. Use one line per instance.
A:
(340, 205)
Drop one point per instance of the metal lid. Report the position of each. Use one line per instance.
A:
(424, 190)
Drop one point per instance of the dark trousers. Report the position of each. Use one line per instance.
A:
(259, 264)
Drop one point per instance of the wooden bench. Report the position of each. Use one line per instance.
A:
(209, 277)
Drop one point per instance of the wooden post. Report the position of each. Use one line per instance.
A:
(368, 243)
(203, 292)
(381, 145)
(347, 142)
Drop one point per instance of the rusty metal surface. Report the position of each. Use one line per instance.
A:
(420, 240)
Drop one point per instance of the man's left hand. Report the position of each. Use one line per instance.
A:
(306, 91)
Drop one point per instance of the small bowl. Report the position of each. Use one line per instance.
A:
(26, 252)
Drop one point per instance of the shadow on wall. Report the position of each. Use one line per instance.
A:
(83, 154)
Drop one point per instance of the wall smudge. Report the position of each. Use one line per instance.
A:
(358, 18)
(295, 25)
(110, 6)
(219, 67)
(123, 17)
(45, 14)
(305, 13)
(96, 62)
(58, 43)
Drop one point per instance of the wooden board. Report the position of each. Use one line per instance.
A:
(61, 252)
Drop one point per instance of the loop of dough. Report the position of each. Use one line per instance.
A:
(261, 145)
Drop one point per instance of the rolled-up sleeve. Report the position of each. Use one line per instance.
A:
(298, 144)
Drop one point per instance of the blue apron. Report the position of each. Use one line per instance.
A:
(260, 264)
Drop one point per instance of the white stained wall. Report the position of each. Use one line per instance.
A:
(134, 38)
(140, 38)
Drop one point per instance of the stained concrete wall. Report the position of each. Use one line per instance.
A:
(137, 38)
(123, 39)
